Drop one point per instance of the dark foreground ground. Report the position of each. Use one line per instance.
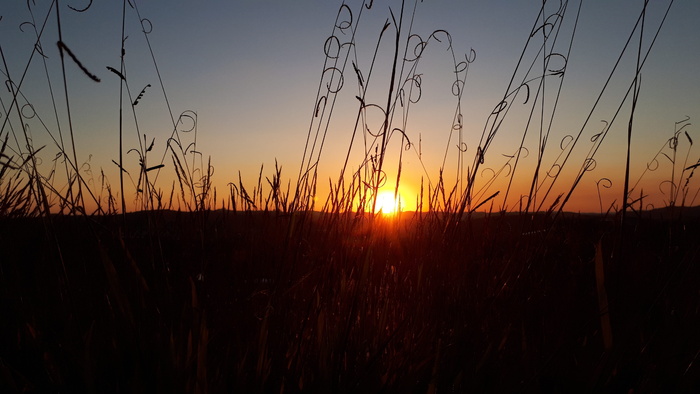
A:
(265, 302)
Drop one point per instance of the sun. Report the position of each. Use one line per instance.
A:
(387, 204)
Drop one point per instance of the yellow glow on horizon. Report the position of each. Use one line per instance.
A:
(387, 203)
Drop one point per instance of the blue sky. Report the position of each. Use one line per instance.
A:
(251, 70)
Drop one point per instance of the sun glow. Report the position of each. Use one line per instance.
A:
(387, 203)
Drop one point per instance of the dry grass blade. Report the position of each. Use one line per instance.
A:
(64, 48)
(603, 308)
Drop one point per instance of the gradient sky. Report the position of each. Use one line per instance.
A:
(251, 70)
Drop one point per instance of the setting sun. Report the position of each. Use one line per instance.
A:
(387, 204)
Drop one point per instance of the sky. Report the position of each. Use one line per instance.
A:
(250, 71)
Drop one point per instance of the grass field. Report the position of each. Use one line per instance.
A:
(253, 301)
(164, 283)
